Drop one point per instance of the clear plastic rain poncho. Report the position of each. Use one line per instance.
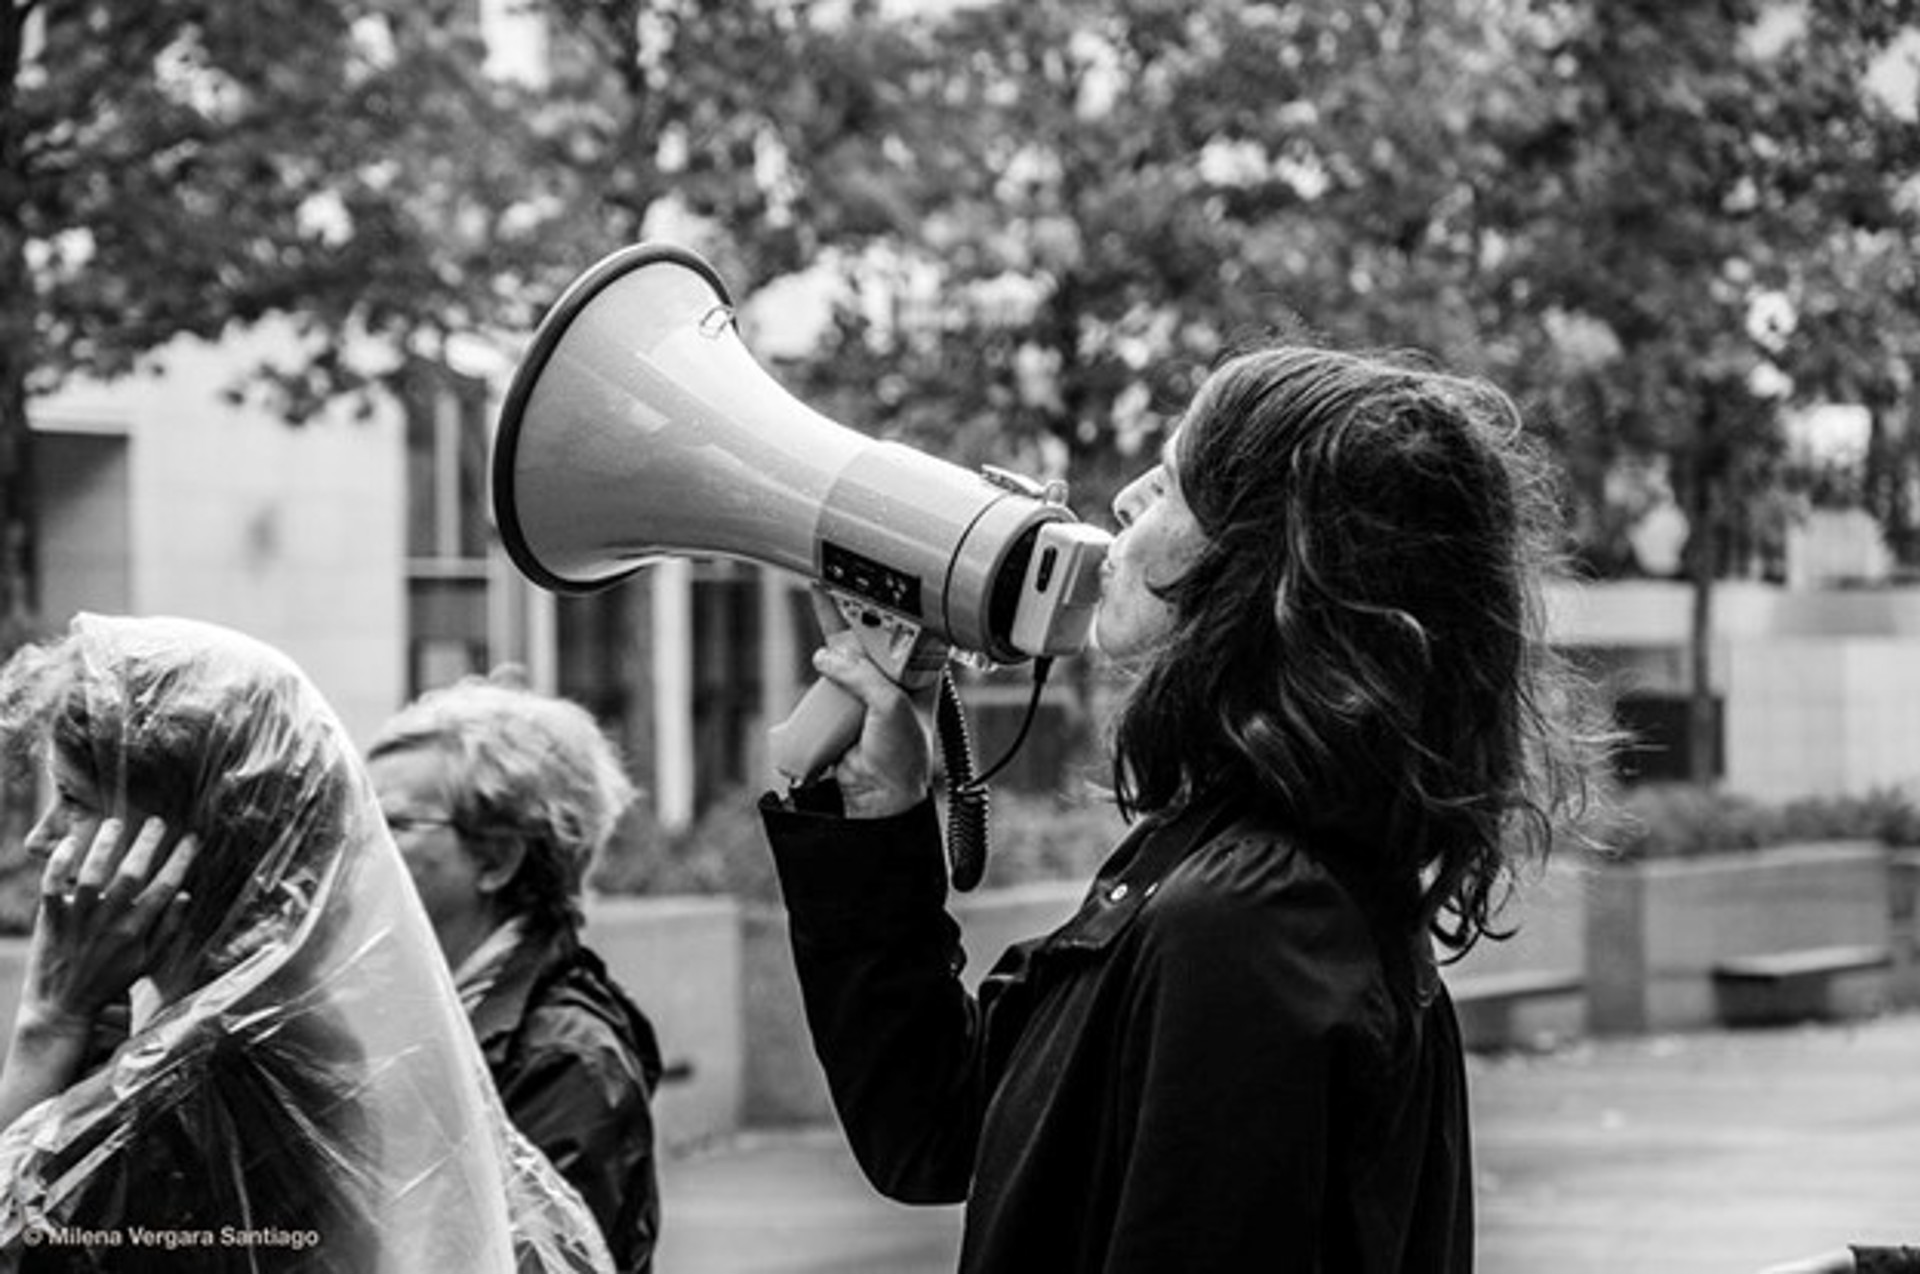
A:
(316, 1102)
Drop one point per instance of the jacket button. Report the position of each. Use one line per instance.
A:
(1118, 892)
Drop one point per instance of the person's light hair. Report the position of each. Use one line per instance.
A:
(528, 765)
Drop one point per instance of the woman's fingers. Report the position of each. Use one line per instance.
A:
(164, 888)
(87, 872)
(103, 856)
(60, 878)
(137, 863)
(844, 661)
(826, 611)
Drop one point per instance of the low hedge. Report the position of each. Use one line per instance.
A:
(1032, 837)
(1677, 820)
(1041, 836)
(1066, 837)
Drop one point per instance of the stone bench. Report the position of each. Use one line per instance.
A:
(1491, 1006)
(1817, 983)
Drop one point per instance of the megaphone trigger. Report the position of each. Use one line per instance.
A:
(827, 720)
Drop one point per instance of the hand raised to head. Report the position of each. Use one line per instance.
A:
(106, 900)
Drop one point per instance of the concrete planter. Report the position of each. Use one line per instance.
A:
(682, 960)
(1656, 929)
(1500, 986)
(1637, 940)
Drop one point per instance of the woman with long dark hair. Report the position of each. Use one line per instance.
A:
(1343, 729)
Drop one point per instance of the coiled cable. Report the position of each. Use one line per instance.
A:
(969, 803)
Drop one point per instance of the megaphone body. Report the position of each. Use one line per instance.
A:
(638, 426)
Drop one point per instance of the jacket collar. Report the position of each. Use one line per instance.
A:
(1133, 872)
(504, 1005)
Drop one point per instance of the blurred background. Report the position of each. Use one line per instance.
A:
(266, 269)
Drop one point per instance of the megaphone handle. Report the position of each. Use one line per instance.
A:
(824, 724)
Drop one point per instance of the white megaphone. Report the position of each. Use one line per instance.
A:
(639, 427)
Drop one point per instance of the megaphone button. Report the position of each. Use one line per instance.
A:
(1049, 558)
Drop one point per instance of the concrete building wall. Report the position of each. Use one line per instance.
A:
(1822, 715)
(1820, 688)
(228, 514)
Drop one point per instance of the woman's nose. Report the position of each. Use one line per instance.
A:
(1126, 503)
(43, 836)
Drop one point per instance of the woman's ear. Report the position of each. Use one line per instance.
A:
(500, 857)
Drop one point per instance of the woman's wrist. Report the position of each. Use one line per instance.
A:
(880, 802)
(46, 1054)
(43, 1025)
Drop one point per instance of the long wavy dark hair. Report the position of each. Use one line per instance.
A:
(1359, 646)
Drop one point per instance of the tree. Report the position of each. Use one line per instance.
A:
(1664, 225)
(371, 172)
(175, 168)
(1084, 204)
(1705, 221)
(1055, 218)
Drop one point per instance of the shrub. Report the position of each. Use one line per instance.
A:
(1047, 836)
(723, 852)
(1682, 820)
(1032, 837)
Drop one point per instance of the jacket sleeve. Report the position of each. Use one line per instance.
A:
(879, 962)
(1238, 1041)
(1886, 1260)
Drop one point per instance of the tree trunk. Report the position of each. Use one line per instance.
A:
(1703, 733)
(17, 584)
(17, 514)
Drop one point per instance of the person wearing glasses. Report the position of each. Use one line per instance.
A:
(294, 1087)
(499, 797)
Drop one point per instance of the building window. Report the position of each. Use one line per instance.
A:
(727, 701)
(449, 610)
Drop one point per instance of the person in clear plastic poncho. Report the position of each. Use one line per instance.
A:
(298, 1089)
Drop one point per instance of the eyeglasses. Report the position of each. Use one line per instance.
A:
(399, 824)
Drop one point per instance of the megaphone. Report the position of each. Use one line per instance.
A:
(638, 427)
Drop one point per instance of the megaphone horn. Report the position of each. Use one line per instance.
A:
(638, 426)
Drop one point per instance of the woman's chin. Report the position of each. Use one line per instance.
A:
(1111, 643)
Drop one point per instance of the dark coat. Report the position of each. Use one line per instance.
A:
(1229, 1060)
(576, 1063)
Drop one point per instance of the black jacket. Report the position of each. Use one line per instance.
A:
(576, 1063)
(1227, 1061)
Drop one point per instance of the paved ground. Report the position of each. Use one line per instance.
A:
(1695, 1154)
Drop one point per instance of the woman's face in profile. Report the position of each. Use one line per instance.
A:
(1159, 540)
(78, 807)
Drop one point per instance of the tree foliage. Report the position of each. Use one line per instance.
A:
(1664, 225)
(1709, 221)
(175, 168)
(1083, 205)
(356, 167)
